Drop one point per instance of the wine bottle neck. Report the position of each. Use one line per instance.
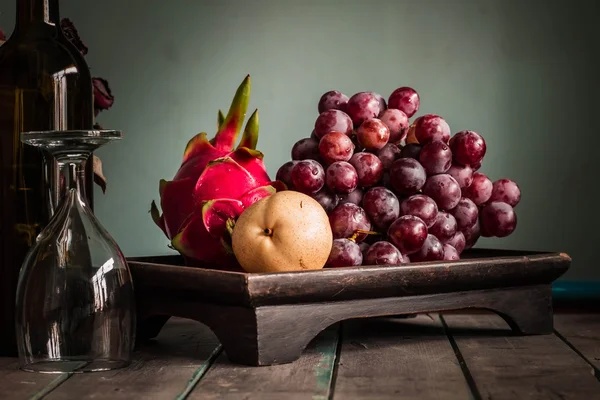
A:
(72, 168)
(38, 12)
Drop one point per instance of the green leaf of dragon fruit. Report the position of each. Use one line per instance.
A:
(250, 135)
(220, 119)
(230, 128)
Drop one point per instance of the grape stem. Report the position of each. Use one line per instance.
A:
(362, 232)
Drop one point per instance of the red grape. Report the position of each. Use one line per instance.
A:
(308, 176)
(397, 122)
(364, 105)
(498, 219)
(472, 234)
(284, 173)
(432, 250)
(436, 157)
(450, 253)
(336, 146)
(382, 102)
(405, 99)
(480, 190)
(465, 213)
(411, 150)
(346, 219)
(407, 233)
(326, 199)
(431, 127)
(341, 177)
(373, 134)
(475, 167)
(305, 149)
(444, 190)
(420, 206)
(383, 253)
(369, 168)
(382, 207)
(507, 191)
(333, 100)
(468, 148)
(444, 227)
(354, 197)
(344, 253)
(462, 173)
(407, 176)
(388, 154)
(457, 241)
(313, 135)
(333, 121)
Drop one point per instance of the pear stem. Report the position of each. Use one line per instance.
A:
(229, 225)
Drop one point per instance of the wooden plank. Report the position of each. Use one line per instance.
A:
(582, 331)
(307, 378)
(5, 361)
(17, 384)
(398, 358)
(161, 369)
(507, 366)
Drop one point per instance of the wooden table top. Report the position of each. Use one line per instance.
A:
(448, 356)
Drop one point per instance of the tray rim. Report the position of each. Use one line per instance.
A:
(257, 275)
(255, 289)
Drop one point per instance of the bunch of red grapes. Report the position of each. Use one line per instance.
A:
(397, 192)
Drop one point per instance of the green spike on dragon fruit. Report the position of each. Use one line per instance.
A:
(213, 185)
(250, 135)
(220, 119)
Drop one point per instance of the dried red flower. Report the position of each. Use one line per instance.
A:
(103, 98)
(71, 33)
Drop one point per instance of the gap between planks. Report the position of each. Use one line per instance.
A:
(399, 357)
(199, 374)
(461, 360)
(581, 333)
(326, 345)
(311, 376)
(507, 365)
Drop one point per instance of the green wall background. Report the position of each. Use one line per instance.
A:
(523, 74)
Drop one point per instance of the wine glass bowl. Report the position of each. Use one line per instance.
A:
(75, 305)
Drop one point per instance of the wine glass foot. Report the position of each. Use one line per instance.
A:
(74, 366)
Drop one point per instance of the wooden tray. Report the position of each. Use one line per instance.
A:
(266, 319)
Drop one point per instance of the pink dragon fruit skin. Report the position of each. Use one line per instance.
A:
(214, 184)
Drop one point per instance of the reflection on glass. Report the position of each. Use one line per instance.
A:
(75, 300)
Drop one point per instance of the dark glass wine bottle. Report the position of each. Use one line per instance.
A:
(45, 84)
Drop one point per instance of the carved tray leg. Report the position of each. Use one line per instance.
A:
(277, 334)
(285, 330)
(149, 328)
(528, 311)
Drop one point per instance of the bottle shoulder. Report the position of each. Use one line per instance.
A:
(39, 57)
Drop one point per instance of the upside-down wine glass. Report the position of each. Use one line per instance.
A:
(75, 306)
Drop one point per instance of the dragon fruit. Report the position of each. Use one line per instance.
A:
(212, 187)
